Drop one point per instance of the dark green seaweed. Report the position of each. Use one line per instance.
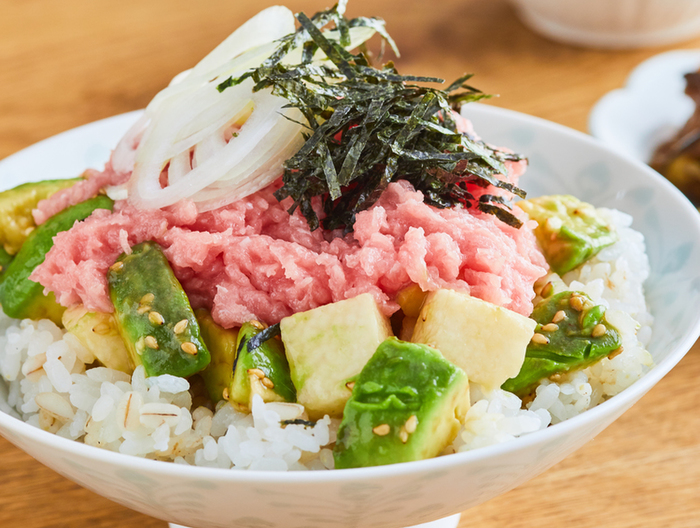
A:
(366, 127)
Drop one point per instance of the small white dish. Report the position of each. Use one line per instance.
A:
(561, 161)
(650, 109)
(616, 24)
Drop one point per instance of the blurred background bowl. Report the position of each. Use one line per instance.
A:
(614, 24)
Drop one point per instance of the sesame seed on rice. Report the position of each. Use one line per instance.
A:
(153, 417)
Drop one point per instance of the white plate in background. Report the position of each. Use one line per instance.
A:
(651, 107)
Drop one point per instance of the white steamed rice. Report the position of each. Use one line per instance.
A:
(50, 388)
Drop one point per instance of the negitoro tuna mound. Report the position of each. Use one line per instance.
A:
(297, 259)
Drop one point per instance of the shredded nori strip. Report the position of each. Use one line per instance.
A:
(255, 342)
(367, 127)
(239, 350)
(258, 339)
(298, 421)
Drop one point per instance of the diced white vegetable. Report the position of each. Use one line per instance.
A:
(328, 345)
(487, 341)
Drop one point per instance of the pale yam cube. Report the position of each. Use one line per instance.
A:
(329, 345)
(487, 341)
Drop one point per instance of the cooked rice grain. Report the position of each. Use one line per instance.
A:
(148, 417)
(50, 388)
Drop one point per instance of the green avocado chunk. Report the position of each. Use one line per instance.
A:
(407, 404)
(222, 344)
(154, 315)
(22, 298)
(98, 333)
(5, 259)
(571, 334)
(16, 205)
(329, 345)
(262, 370)
(570, 231)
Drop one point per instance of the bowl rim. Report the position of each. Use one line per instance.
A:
(586, 419)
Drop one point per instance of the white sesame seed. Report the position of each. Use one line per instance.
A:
(615, 353)
(599, 330)
(540, 339)
(411, 424)
(559, 316)
(156, 318)
(382, 430)
(576, 303)
(547, 290)
(148, 298)
(189, 348)
(181, 326)
(257, 372)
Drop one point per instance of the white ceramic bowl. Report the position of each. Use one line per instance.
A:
(562, 161)
(612, 23)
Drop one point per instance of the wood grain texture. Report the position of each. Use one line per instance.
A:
(67, 63)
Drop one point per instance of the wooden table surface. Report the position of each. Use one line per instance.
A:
(63, 64)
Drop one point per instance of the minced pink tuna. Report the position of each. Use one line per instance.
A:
(252, 259)
(83, 190)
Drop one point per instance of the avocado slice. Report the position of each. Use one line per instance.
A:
(260, 369)
(16, 205)
(407, 404)
(236, 371)
(22, 298)
(154, 315)
(571, 334)
(570, 231)
(222, 344)
(98, 333)
(5, 259)
(329, 345)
